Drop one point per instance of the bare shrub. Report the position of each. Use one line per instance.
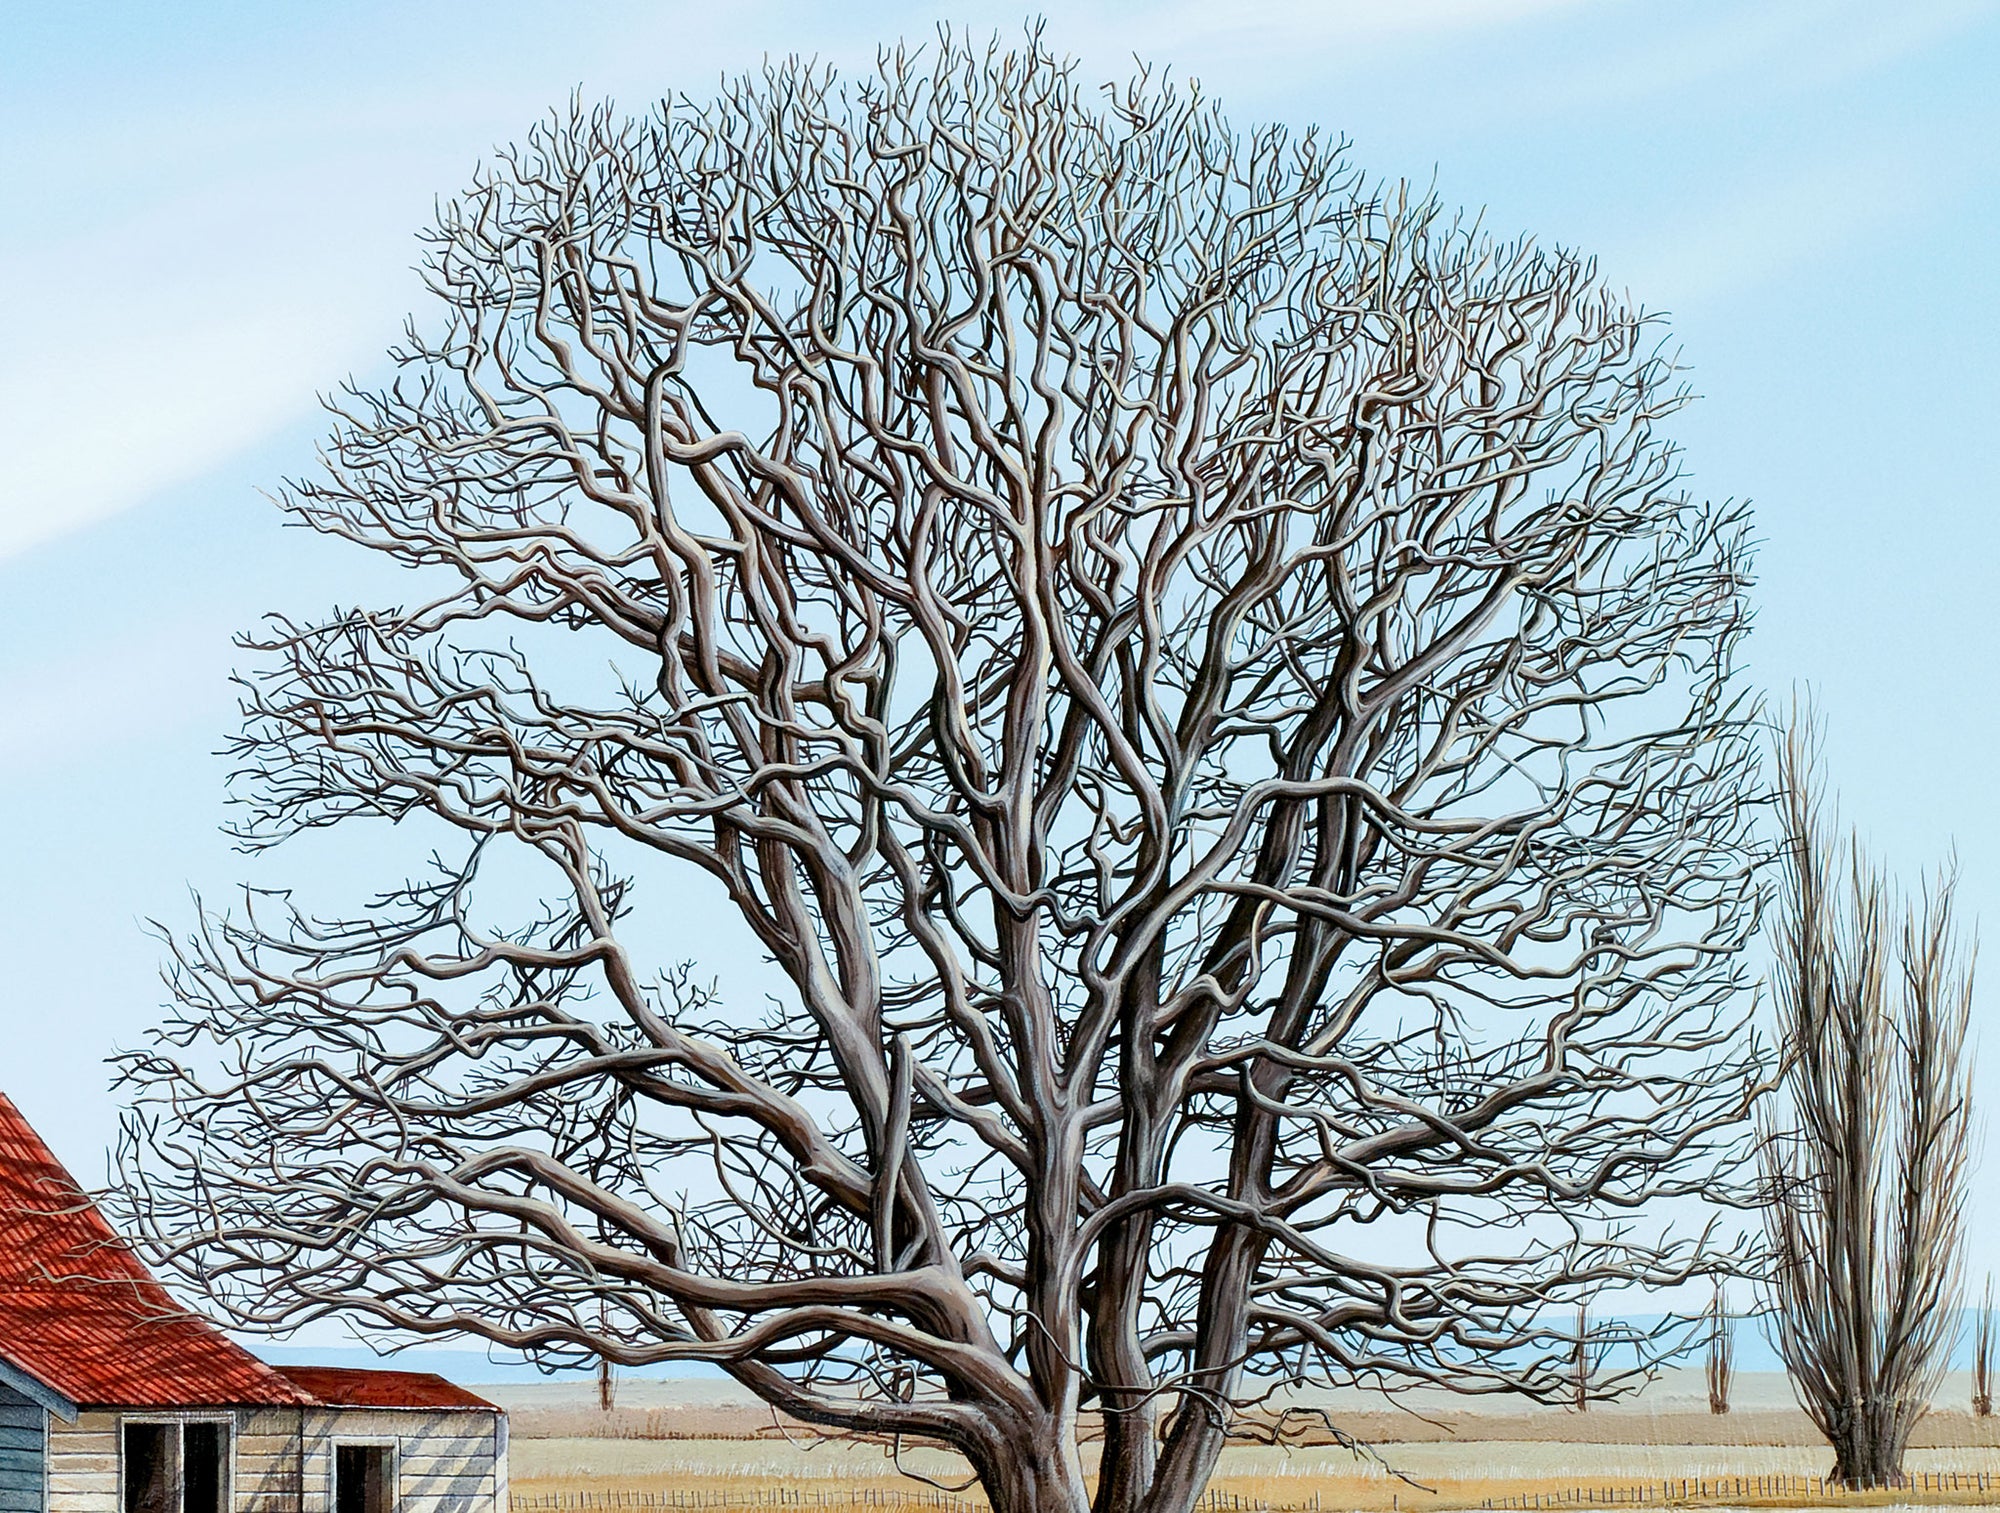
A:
(1721, 1361)
(1866, 1154)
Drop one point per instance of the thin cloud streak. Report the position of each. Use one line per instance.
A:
(252, 269)
(1255, 27)
(201, 274)
(1766, 228)
(124, 693)
(158, 350)
(1765, 51)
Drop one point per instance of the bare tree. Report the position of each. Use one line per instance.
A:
(607, 1380)
(1580, 1362)
(1721, 1352)
(1197, 668)
(1982, 1354)
(1867, 1154)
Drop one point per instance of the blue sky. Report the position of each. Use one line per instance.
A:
(209, 218)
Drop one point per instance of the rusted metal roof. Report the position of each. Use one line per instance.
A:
(79, 1312)
(345, 1387)
(83, 1315)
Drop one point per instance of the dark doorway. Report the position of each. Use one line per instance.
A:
(205, 1468)
(149, 1467)
(362, 1479)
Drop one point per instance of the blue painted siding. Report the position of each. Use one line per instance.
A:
(24, 1446)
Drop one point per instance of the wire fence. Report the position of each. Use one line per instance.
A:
(1775, 1488)
(1684, 1490)
(694, 1499)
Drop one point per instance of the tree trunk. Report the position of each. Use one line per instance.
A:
(1129, 1459)
(1036, 1472)
(1199, 1426)
(1868, 1443)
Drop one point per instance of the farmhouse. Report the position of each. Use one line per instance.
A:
(113, 1399)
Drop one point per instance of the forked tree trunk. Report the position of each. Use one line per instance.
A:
(1035, 1472)
(1199, 1427)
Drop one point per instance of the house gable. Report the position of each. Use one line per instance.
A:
(14, 1382)
(83, 1318)
(98, 1363)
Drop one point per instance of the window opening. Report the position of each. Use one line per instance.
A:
(149, 1467)
(172, 1467)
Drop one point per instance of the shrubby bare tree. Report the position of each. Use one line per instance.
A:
(1721, 1360)
(1197, 668)
(1867, 1152)
(1982, 1354)
(1580, 1364)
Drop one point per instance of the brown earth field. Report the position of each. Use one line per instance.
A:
(706, 1445)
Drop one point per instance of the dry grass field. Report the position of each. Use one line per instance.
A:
(696, 1445)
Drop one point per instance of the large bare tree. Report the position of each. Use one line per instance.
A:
(1868, 1149)
(1199, 671)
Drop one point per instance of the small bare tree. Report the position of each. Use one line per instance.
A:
(1867, 1154)
(607, 1380)
(1982, 1354)
(1199, 671)
(1721, 1351)
(1580, 1362)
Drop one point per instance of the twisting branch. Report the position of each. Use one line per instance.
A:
(1199, 670)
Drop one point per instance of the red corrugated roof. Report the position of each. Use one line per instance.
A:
(344, 1387)
(80, 1314)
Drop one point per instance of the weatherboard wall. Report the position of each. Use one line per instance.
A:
(23, 1453)
(447, 1461)
(83, 1464)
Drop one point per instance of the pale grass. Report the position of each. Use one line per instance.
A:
(1461, 1475)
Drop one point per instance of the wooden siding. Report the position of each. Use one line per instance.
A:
(447, 1460)
(83, 1464)
(24, 1440)
(267, 1461)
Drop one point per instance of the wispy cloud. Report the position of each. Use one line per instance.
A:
(182, 283)
(136, 400)
(1252, 27)
(1262, 47)
(155, 345)
(1766, 227)
(1758, 52)
(188, 273)
(112, 694)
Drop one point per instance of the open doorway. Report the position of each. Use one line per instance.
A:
(364, 1479)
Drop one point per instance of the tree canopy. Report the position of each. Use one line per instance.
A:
(1197, 666)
